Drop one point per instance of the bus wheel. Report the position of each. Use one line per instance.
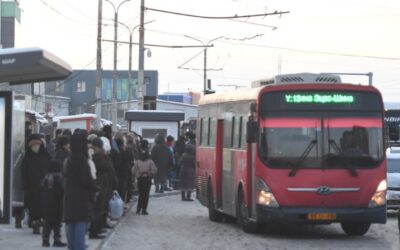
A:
(243, 216)
(213, 214)
(355, 229)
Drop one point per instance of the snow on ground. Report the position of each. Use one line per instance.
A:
(173, 225)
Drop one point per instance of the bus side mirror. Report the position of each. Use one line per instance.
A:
(251, 131)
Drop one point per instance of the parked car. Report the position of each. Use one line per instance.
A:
(393, 176)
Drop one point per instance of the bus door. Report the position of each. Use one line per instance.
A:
(228, 183)
(218, 161)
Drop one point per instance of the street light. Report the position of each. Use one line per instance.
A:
(205, 57)
(131, 30)
(114, 82)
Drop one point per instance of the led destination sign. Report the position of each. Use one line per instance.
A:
(323, 98)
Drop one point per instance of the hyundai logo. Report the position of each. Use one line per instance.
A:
(323, 190)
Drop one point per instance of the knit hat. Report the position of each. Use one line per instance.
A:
(97, 142)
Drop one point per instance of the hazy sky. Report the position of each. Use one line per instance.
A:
(314, 37)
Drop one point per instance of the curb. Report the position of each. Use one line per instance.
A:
(130, 205)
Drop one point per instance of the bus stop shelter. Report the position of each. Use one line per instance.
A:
(19, 66)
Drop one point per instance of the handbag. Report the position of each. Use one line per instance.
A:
(116, 206)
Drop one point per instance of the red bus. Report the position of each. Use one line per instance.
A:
(301, 148)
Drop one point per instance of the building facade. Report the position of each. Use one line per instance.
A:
(80, 86)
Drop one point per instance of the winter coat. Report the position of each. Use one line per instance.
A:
(33, 169)
(52, 193)
(104, 179)
(187, 173)
(61, 154)
(50, 147)
(125, 165)
(161, 156)
(145, 168)
(79, 183)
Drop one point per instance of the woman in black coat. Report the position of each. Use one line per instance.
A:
(162, 157)
(52, 191)
(187, 172)
(62, 148)
(104, 183)
(79, 192)
(33, 169)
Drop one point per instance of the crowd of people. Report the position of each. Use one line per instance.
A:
(72, 177)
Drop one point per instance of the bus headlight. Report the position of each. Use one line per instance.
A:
(379, 197)
(265, 196)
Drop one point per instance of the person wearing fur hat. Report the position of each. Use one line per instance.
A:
(33, 169)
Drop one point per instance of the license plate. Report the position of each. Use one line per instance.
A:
(321, 216)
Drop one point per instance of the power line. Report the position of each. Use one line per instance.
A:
(218, 17)
(257, 24)
(316, 51)
(61, 14)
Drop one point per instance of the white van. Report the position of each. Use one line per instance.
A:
(393, 177)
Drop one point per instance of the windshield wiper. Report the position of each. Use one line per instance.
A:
(335, 146)
(303, 156)
(352, 171)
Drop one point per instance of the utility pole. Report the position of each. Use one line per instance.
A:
(141, 88)
(205, 71)
(98, 67)
(114, 112)
(205, 58)
(130, 84)
(130, 72)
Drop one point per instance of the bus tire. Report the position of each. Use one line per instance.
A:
(355, 229)
(243, 216)
(213, 214)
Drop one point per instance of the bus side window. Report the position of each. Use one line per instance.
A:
(204, 131)
(243, 143)
(237, 132)
(213, 130)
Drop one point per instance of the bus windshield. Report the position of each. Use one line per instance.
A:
(321, 129)
(321, 146)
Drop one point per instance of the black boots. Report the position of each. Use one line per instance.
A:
(36, 227)
(144, 212)
(186, 196)
(59, 243)
(45, 243)
(56, 243)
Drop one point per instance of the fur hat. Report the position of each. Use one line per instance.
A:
(34, 139)
(91, 137)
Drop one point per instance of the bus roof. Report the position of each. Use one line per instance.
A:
(253, 93)
(239, 95)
